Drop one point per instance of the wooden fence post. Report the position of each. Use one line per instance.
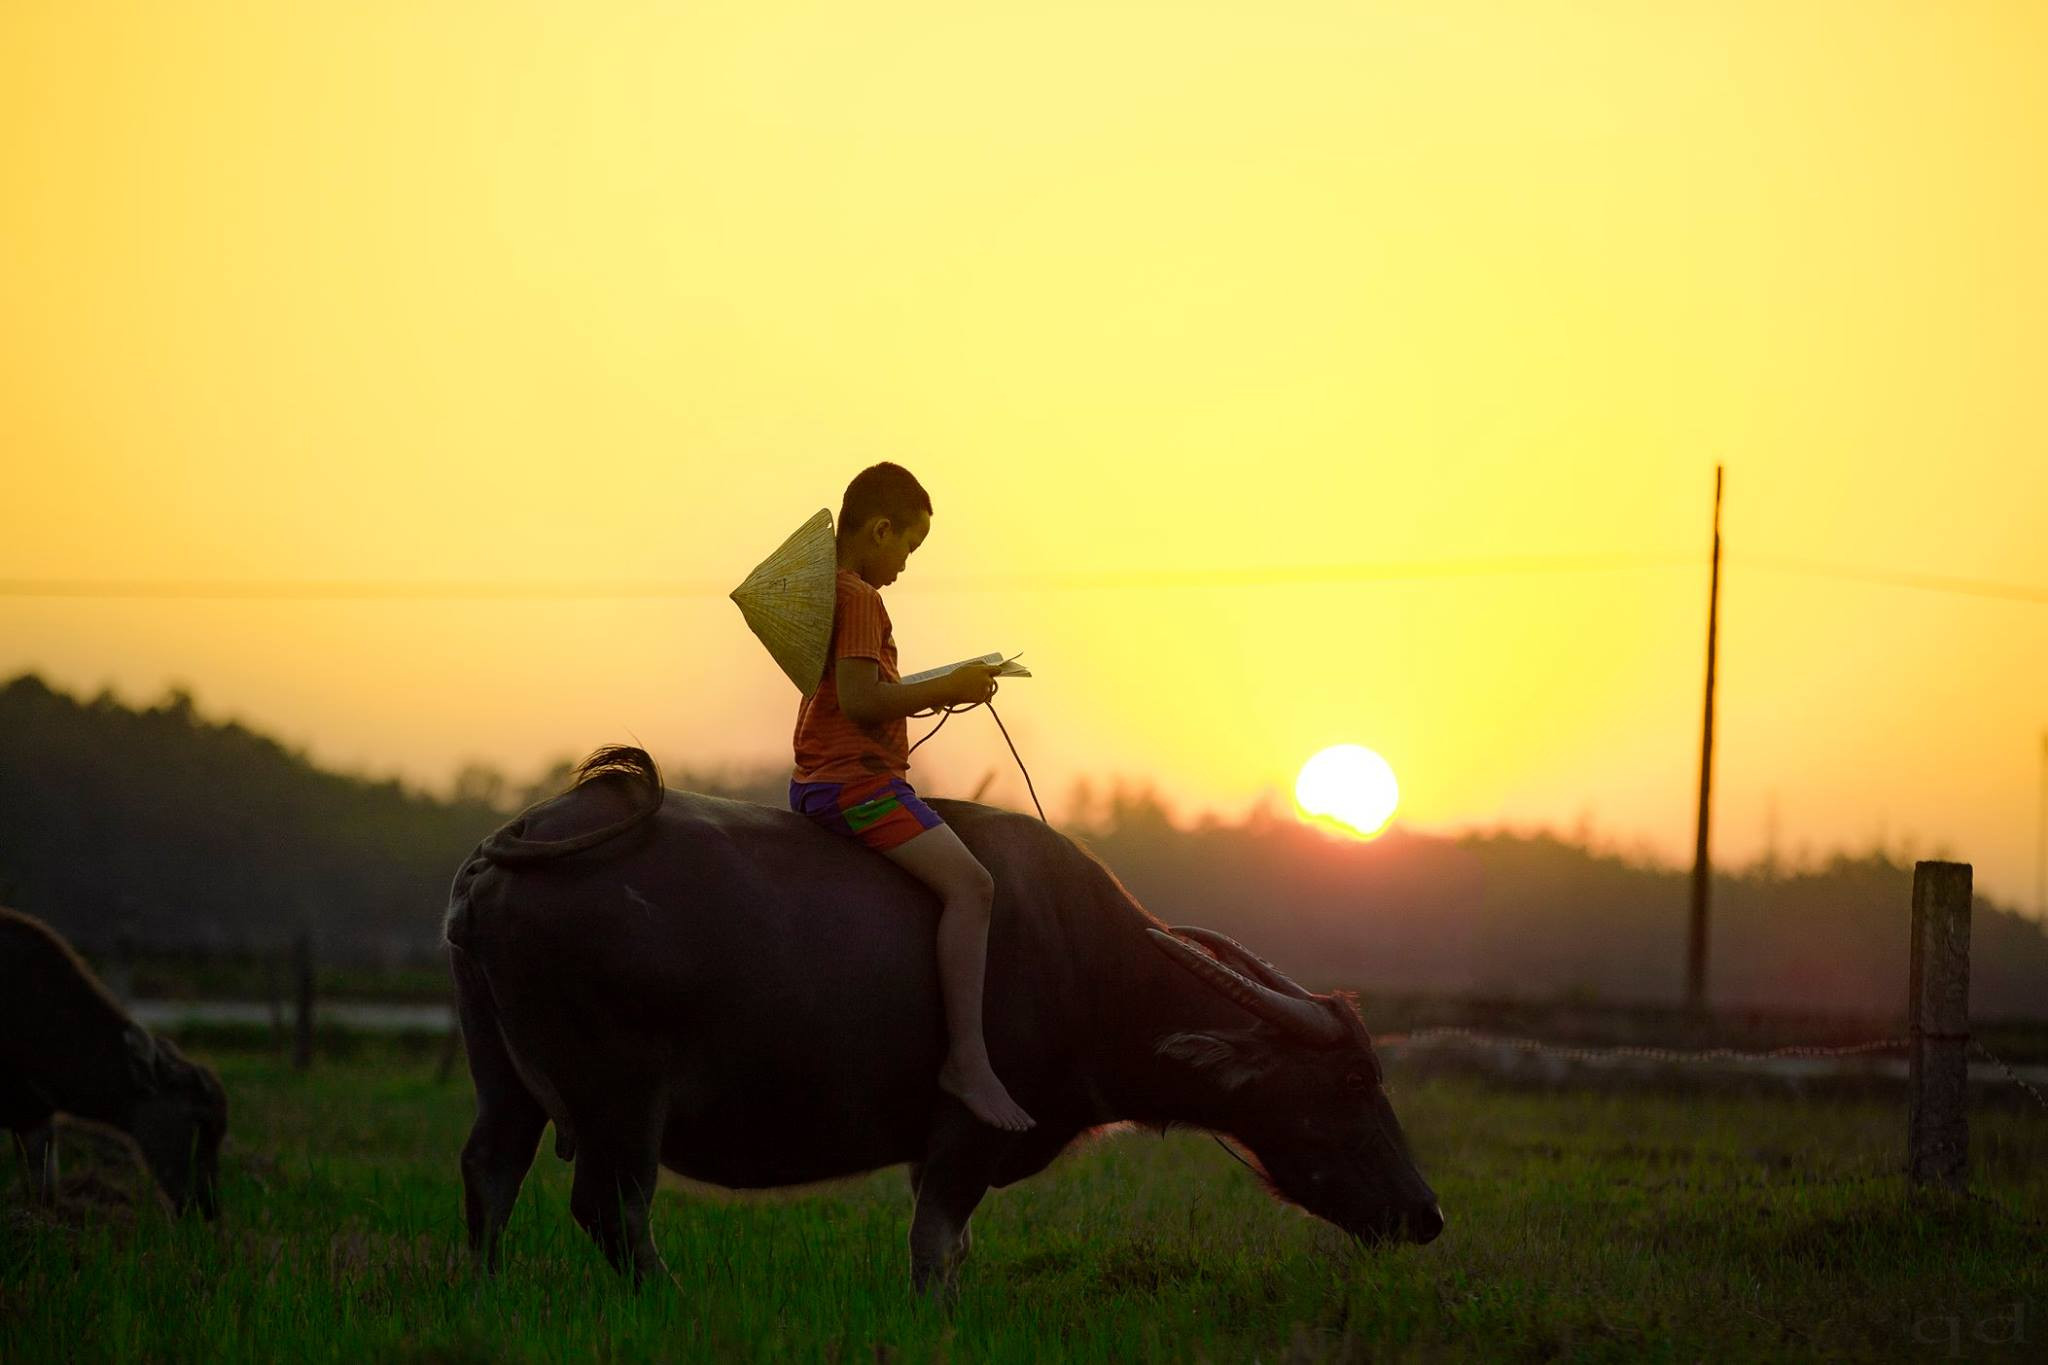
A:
(302, 969)
(1938, 1006)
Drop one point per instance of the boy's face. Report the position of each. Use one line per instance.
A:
(890, 545)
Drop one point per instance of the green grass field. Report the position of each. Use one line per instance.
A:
(1620, 1227)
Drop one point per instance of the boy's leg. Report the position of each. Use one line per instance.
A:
(937, 858)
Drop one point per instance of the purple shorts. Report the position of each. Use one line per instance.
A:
(880, 812)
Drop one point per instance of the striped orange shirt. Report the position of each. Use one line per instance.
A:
(829, 746)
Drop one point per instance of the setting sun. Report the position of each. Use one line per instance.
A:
(1350, 786)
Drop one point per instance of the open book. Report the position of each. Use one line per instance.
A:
(1005, 668)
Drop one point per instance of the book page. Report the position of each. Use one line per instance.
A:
(1005, 668)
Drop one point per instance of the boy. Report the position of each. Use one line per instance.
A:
(852, 753)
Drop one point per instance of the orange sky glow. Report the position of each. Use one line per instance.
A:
(1171, 308)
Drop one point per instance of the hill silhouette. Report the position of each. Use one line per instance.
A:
(1530, 915)
(156, 829)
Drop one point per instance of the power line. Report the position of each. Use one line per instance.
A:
(285, 590)
(1964, 587)
(1271, 575)
(338, 589)
(347, 590)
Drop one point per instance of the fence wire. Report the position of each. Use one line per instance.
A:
(1661, 1054)
(1666, 1054)
(2010, 1074)
(1725, 1054)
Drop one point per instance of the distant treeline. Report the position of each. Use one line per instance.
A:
(154, 830)
(1515, 915)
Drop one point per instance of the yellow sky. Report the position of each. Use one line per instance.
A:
(490, 292)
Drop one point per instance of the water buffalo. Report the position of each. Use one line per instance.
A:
(722, 988)
(67, 1046)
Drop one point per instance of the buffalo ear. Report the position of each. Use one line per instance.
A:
(144, 1061)
(1224, 1059)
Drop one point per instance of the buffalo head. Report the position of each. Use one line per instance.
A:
(1302, 1089)
(180, 1115)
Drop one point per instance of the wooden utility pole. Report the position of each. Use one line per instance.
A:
(1696, 940)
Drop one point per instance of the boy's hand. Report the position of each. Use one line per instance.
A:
(970, 684)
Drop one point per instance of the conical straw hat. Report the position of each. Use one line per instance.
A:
(788, 599)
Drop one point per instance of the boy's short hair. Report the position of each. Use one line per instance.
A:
(881, 490)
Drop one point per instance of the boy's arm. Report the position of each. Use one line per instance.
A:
(867, 700)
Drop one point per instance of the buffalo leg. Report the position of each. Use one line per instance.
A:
(494, 1165)
(950, 1182)
(507, 1128)
(37, 1143)
(965, 1241)
(612, 1197)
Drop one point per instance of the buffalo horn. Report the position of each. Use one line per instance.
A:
(1250, 962)
(1300, 1017)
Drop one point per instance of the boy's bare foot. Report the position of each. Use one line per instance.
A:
(981, 1092)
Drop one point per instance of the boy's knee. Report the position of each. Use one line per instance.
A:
(976, 893)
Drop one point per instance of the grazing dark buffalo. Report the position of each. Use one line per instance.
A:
(67, 1047)
(726, 990)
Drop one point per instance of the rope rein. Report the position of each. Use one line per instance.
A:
(949, 709)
